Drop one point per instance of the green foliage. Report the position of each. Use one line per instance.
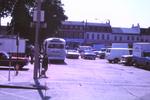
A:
(21, 13)
(54, 15)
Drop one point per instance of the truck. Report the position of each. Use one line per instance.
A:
(120, 45)
(98, 47)
(13, 46)
(141, 55)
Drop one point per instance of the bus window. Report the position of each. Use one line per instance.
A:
(58, 46)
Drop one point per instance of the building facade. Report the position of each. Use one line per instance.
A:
(86, 33)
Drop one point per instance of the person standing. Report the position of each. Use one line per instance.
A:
(44, 66)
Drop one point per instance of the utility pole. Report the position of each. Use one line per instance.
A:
(36, 48)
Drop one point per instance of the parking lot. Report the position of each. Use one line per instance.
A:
(79, 79)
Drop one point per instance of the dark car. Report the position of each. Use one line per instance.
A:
(7, 60)
(101, 54)
(141, 62)
(88, 54)
(127, 60)
(74, 54)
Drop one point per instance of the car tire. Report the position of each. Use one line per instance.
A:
(116, 60)
(110, 61)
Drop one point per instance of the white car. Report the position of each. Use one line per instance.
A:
(74, 54)
(88, 54)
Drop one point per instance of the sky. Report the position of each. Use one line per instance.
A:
(120, 13)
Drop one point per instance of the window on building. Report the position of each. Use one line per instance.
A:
(98, 37)
(80, 35)
(132, 38)
(137, 38)
(76, 27)
(115, 38)
(80, 27)
(65, 26)
(70, 27)
(87, 36)
(120, 38)
(146, 40)
(103, 36)
(128, 38)
(142, 40)
(93, 36)
(107, 36)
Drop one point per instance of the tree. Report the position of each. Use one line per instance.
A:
(21, 13)
(21, 17)
(54, 15)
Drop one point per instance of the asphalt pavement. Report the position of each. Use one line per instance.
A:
(77, 79)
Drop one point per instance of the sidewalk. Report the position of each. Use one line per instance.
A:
(20, 81)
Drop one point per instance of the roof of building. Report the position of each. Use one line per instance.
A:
(86, 23)
(133, 30)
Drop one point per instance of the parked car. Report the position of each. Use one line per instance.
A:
(141, 55)
(142, 62)
(101, 54)
(88, 54)
(127, 60)
(74, 54)
(7, 60)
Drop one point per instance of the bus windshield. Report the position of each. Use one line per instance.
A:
(57, 46)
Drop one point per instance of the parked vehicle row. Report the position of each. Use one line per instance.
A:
(138, 55)
(85, 54)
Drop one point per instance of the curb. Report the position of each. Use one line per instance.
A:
(25, 87)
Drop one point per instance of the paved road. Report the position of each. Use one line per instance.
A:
(80, 79)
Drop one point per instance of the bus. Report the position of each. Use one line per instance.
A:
(55, 48)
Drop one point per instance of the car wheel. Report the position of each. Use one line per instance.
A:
(136, 64)
(18, 67)
(110, 61)
(116, 60)
(147, 66)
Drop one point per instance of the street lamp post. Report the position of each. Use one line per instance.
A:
(36, 49)
(85, 31)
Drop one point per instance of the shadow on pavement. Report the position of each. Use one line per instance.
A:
(58, 62)
(43, 97)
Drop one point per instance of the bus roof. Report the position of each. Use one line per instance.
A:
(54, 39)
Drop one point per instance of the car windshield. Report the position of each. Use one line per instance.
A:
(4, 55)
(72, 50)
(88, 51)
(146, 54)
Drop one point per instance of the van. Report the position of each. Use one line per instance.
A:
(114, 54)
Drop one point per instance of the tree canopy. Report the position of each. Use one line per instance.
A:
(21, 12)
